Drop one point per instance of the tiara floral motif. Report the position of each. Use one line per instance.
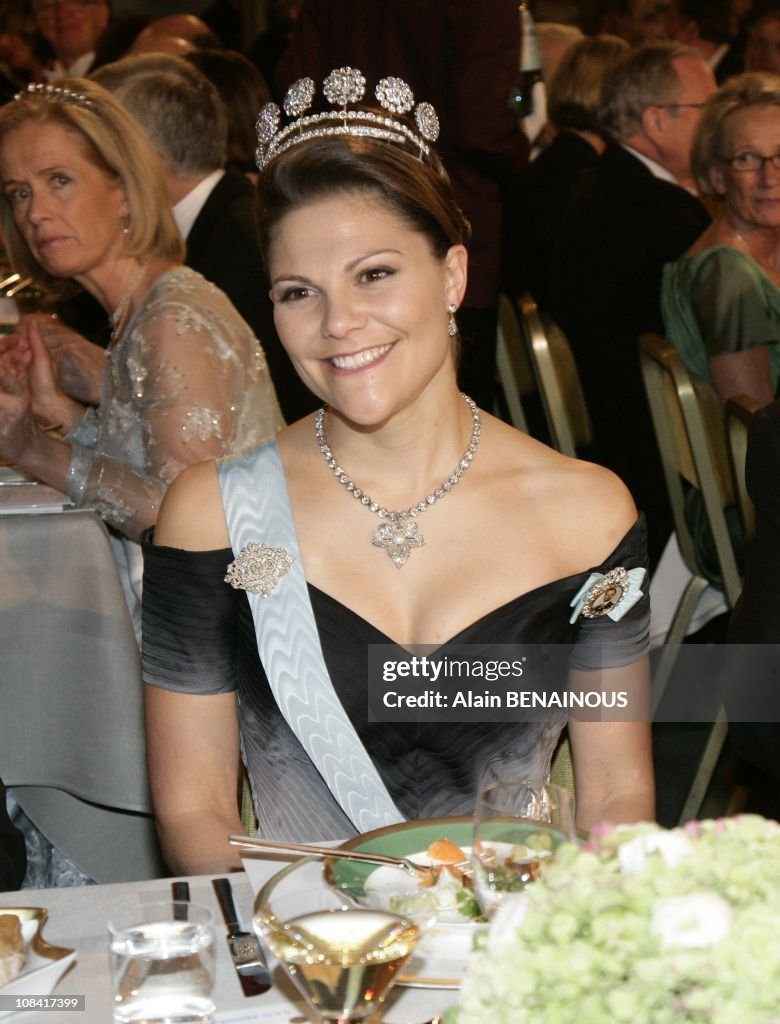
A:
(342, 87)
(55, 94)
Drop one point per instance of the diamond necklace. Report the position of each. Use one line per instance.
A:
(400, 533)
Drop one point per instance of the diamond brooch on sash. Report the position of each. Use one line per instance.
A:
(258, 568)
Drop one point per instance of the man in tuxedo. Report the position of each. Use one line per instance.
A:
(214, 207)
(72, 28)
(635, 212)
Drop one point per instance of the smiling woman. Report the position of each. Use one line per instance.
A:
(721, 301)
(274, 593)
(347, 268)
(84, 204)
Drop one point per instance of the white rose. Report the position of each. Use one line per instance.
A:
(673, 847)
(698, 920)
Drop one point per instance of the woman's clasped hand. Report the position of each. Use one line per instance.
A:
(31, 398)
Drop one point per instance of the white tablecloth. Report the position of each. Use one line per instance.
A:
(71, 726)
(77, 919)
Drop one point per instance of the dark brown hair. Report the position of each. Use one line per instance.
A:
(418, 192)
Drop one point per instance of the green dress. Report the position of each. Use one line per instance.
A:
(720, 301)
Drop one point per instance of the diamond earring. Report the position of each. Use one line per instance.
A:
(452, 327)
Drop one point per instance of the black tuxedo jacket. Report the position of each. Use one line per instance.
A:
(620, 230)
(536, 209)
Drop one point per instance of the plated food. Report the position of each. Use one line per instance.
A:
(28, 964)
(440, 958)
(449, 884)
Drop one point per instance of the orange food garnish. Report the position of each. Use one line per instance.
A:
(444, 851)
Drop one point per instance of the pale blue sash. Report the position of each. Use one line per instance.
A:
(257, 509)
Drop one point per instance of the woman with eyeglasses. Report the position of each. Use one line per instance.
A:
(721, 300)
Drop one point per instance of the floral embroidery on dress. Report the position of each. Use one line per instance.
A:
(201, 423)
(187, 381)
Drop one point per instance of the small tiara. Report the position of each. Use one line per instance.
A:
(55, 94)
(342, 87)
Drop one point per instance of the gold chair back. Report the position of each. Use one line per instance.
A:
(689, 425)
(739, 412)
(557, 379)
(515, 377)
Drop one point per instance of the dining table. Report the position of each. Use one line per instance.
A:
(71, 727)
(78, 917)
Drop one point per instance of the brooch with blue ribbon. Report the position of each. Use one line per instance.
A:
(613, 594)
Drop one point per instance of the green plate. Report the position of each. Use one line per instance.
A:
(440, 959)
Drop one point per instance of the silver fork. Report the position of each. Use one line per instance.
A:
(426, 873)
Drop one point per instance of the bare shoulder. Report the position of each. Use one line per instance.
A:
(596, 494)
(191, 515)
(586, 507)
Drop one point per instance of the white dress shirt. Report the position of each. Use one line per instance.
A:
(186, 211)
(78, 69)
(656, 169)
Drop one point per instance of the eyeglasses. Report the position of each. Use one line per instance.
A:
(679, 106)
(752, 162)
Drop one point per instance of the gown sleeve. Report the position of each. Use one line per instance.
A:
(606, 642)
(730, 303)
(189, 620)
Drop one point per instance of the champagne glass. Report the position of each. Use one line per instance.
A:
(341, 945)
(517, 826)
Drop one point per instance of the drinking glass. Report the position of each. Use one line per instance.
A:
(162, 963)
(517, 825)
(341, 945)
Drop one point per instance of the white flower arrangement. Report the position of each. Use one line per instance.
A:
(641, 924)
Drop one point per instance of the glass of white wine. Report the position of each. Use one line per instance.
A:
(342, 947)
(517, 825)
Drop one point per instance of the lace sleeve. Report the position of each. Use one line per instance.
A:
(190, 385)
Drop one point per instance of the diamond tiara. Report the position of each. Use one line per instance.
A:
(55, 94)
(342, 87)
